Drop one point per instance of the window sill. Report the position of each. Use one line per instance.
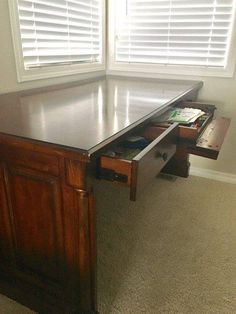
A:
(58, 71)
(154, 69)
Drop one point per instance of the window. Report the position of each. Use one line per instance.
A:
(173, 35)
(57, 37)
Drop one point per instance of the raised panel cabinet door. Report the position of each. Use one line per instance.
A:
(36, 211)
(6, 238)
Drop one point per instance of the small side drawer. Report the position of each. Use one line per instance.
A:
(193, 131)
(145, 165)
(209, 143)
(206, 139)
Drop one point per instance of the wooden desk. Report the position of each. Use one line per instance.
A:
(50, 143)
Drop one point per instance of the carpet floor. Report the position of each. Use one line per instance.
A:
(173, 251)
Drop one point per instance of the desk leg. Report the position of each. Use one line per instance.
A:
(179, 164)
(80, 245)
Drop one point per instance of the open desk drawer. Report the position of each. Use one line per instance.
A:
(203, 139)
(207, 145)
(147, 164)
(193, 131)
(210, 141)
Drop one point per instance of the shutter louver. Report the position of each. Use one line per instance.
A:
(177, 32)
(59, 32)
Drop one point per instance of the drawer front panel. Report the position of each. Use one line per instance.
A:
(209, 143)
(152, 159)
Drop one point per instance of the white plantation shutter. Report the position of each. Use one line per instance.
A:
(177, 32)
(55, 32)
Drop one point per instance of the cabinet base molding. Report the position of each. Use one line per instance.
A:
(214, 175)
(31, 296)
(35, 297)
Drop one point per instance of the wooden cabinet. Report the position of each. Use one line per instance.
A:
(50, 142)
(47, 239)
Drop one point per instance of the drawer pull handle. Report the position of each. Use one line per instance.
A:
(164, 156)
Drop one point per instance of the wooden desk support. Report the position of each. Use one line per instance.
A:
(49, 140)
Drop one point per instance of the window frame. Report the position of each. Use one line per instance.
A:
(24, 75)
(114, 65)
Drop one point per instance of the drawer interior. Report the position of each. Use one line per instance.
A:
(130, 147)
(118, 164)
(192, 130)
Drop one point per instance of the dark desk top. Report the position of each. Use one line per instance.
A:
(87, 116)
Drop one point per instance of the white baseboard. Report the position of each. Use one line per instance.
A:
(215, 175)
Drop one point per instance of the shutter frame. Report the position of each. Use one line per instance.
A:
(167, 44)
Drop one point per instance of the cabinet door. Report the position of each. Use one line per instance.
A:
(6, 238)
(36, 214)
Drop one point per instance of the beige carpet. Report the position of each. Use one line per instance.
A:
(173, 251)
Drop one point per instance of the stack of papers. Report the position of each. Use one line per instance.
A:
(180, 115)
(185, 115)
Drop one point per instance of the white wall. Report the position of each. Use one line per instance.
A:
(221, 91)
